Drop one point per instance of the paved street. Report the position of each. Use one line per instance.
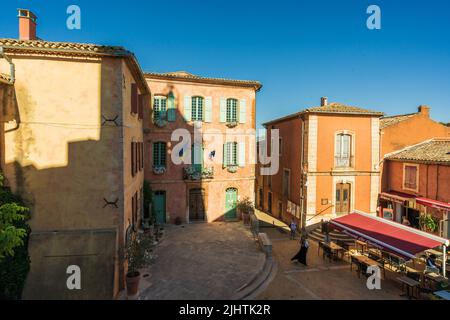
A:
(203, 261)
(321, 279)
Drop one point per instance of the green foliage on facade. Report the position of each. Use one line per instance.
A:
(14, 233)
(148, 195)
(428, 223)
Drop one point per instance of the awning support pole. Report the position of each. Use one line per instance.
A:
(444, 260)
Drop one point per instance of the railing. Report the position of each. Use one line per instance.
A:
(318, 214)
(344, 162)
(195, 173)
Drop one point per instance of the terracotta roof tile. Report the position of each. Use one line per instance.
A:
(75, 49)
(41, 45)
(332, 108)
(183, 75)
(342, 108)
(392, 120)
(434, 151)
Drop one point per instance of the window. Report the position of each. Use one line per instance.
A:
(159, 107)
(159, 154)
(142, 155)
(133, 147)
(197, 109)
(261, 198)
(343, 150)
(141, 104)
(230, 154)
(280, 146)
(410, 177)
(134, 210)
(286, 183)
(231, 110)
(134, 98)
(269, 202)
(280, 209)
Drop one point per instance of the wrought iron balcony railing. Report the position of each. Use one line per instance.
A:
(344, 162)
(195, 173)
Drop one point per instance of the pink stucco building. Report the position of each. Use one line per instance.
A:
(222, 169)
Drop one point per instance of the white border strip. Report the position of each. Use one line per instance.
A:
(403, 253)
(401, 226)
(433, 204)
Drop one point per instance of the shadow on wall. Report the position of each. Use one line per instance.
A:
(71, 221)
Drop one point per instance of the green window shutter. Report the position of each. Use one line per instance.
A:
(155, 154)
(208, 109)
(241, 154)
(225, 154)
(187, 108)
(223, 109)
(197, 156)
(171, 111)
(242, 110)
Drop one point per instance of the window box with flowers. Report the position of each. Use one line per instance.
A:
(159, 169)
(232, 168)
(231, 124)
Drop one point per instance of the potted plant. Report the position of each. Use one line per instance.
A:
(138, 255)
(245, 206)
(428, 223)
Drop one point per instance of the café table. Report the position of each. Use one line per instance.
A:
(410, 285)
(362, 244)
(435, 277)
(362, 260)
(334, 248)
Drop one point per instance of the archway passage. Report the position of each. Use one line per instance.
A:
(196, 205)
(343, 195)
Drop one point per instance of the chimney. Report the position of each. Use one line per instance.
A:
(27, 25)
(424, 111)
(323, 101)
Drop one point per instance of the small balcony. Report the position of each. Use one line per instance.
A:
(344, 162)
(195, 173)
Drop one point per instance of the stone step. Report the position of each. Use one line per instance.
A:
(257, 284)
(317, 235)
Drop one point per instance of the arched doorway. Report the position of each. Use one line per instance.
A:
(196, 204)
(230, 203)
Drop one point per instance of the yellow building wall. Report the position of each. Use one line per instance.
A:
(66, 165)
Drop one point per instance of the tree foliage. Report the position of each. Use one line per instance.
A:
(14, 233)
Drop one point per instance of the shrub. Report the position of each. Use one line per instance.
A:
(14, 235)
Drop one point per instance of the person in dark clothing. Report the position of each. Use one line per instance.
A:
(301, 254)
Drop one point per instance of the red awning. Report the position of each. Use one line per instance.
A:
(396, 196)
(433, 203)
(387, 235)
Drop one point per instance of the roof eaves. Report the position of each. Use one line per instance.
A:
(232, 82)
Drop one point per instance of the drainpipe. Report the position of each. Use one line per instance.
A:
(12, 68)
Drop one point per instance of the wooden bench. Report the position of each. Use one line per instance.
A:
(265, 243)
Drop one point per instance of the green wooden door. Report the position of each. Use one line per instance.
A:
(230, 203)
(159, 206)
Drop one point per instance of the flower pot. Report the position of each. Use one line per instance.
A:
(133, 279)
(246, 218)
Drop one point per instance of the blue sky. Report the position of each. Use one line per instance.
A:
(299, 50)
